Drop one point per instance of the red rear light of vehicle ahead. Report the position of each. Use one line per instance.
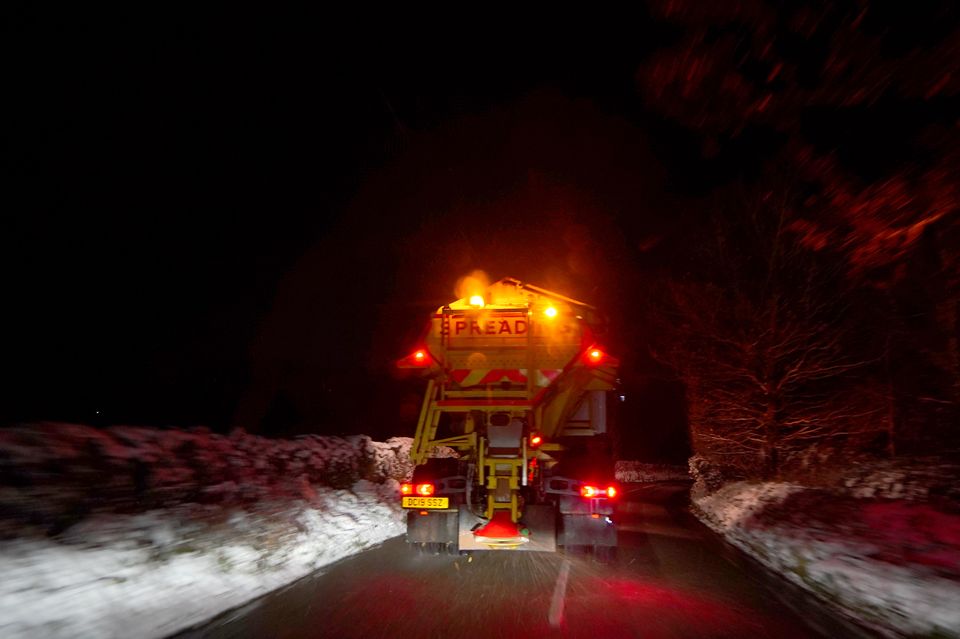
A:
(594, 356)
(406, 489)
(594, 492)
(424, 490)
(535, 440)
(419, 358)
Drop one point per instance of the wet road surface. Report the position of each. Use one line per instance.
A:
(669, 578)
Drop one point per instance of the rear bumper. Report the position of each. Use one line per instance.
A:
(457, 527)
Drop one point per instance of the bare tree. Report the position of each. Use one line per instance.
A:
(764, 345)
(866, 114)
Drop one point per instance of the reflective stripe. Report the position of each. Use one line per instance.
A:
(550, 373)
(499, 374)
(479, 401)
(467, 377)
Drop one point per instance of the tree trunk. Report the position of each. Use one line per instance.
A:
(891, 404)
(771, 444)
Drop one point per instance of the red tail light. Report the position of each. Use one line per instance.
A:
(419, 358)
(595, 356)
(424, 490)
(592, 492)
(406, 489)
(535, 439)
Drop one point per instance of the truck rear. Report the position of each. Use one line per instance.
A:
(517, 384)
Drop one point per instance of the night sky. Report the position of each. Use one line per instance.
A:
(243, 219)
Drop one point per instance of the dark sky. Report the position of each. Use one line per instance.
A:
(230, 218)
(208, 209)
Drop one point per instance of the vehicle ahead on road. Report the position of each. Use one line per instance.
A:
(517, 385)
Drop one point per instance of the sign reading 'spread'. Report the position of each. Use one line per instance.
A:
(498, 329)
(490, 326)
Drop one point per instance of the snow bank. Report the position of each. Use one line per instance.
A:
(640, 472)
(852, 553)
(52, 475)
(734, 504)
(160, 530)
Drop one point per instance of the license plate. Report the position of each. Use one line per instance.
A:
(426, 502)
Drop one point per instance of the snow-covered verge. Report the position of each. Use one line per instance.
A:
(640, 472)
(143, 532)
(889, 564)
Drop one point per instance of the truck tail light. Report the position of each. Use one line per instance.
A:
(424, 490)
(406, 489)
(594, 492)
(594, 356)
(419, 358)
(535, 439)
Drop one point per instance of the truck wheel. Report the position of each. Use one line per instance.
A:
(604, 554)
(426, 548)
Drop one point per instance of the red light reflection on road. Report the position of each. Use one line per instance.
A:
(661, 611)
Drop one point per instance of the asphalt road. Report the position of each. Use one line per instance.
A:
(669, 578)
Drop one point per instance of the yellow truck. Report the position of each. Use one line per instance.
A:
(517, 385)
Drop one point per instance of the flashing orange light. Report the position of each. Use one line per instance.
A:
(588, 491)
(425, 490)
(536, 439)
(406, 489)
(477, 300)
(611, 491)
(550, 311)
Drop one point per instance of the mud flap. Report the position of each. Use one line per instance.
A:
(585, 530)
(539, 520)
(435, 527)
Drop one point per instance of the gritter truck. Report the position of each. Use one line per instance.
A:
(517, 383)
